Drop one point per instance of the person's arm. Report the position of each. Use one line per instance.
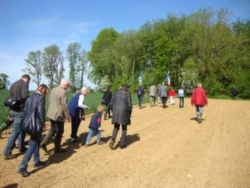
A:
(80, 102)
(64, 106)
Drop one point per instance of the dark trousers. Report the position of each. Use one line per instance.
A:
(75, 123)
(181, 104)
(124, 133)
(57, 128)
(164, 101)
(107, 111)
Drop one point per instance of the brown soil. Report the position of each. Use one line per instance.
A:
(167, 149)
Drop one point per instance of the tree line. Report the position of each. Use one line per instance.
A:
(206, 46)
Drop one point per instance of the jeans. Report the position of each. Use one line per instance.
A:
(16, 133)
(91, 133)
(34, 145)
(140, 97)
(199, 110)
(181, 104)
(75, 122)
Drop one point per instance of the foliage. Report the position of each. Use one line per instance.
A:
(34, 68)
(4, 82)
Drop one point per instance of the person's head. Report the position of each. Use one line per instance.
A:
(43, 89)
(163, 83)
(100, 108)
(65, 83)
(26, 78)
(124, 86)
(108, 88)
(199, 85)
(84, 91)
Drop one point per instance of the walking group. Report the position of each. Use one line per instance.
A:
(161, 94)
(27, 114)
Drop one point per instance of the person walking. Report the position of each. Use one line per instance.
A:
(18, 89)
(199, 99)
(172, 96)
(58, 114)
(106, 98)
(121, 104)
(94, 126)
(75, 105)
(158, 95)
(163, 92)
(181, 95)
(35, 102)
(152, 94)
(140, 95)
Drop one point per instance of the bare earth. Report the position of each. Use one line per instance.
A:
(167, 149)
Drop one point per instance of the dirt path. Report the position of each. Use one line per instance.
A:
(167, 149)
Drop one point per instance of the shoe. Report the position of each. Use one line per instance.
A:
(74, 140)
(199, 120)
(23, 150)
(123, 146)
(39, 164)
(23, 172)
(86, 145)
(44, 148)
(99, 143)
(112, 144)
(9, 156)
(60, 150)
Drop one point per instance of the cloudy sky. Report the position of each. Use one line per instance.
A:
(30, 25)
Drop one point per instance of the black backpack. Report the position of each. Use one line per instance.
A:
(13, 103)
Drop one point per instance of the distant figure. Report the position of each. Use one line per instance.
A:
(35, 102)
(106, 98)
(199, 99)
(121, 104)
(171, 96)
(152, 94)
(95, 125)
(140, 95)
(234, 93)
(158, 96)
(163, 92)
(181, 95)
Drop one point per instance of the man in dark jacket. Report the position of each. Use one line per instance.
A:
(18, 89)
(106, 98)
(121, 104)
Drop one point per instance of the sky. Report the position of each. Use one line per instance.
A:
(31, 25)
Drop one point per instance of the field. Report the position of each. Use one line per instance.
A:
(167, 149)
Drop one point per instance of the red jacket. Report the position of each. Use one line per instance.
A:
(172, 93)
(199, 97)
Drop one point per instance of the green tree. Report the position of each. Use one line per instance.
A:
(4, 82)
(73, 57)
(34, 68)
(53, 64)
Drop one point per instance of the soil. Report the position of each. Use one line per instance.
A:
(167, 148)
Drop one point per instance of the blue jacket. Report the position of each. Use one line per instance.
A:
(95, 121)
(73, 107)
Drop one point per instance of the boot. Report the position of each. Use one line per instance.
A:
(44, 143)
(112, 141)
(58, 148)
(123, 139)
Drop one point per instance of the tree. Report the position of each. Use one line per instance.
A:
(53, 64)
(81, 68)
(102, 55)
(4, 82)
(73, 57)
(34, 67)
